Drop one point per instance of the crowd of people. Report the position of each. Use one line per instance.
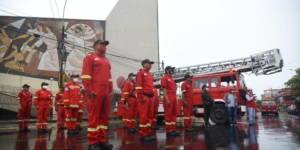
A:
(139, 96)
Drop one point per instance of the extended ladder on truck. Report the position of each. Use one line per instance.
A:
(264, 63)
(223, 76)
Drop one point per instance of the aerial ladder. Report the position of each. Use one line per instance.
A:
(264, 63)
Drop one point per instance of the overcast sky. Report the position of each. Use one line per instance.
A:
(193, 32)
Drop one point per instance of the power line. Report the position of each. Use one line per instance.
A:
(15, 10)
(51, 8)
(292, 61)
(57, 8)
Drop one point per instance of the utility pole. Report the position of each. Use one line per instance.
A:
(61, 47)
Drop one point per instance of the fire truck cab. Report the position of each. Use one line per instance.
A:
(219, 85)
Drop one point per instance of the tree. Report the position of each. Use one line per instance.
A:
(294, 83)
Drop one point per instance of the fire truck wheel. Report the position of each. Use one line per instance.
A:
(219, 114)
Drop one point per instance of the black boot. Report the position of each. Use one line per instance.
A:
(94, 147)
(40, 131)
(151, 137)
(131, 130)
(105, 145)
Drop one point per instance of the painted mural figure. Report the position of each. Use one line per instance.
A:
(4, 40)
(15, 52)
(32, 40)
(77, 36)
(49, 60)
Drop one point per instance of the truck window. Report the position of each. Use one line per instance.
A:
(200, 82)
(214, 82)
(226, 81)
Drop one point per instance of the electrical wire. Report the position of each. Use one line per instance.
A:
(57, 9)
(51, 8)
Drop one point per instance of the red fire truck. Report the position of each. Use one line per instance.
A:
(220, 77)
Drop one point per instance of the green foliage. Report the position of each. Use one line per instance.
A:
(294, 83)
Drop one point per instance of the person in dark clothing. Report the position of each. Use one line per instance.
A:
(297, 103)
(208, 102)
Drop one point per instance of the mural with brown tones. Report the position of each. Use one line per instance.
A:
(28, 46)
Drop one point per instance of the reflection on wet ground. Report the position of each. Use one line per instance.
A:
(271, 133)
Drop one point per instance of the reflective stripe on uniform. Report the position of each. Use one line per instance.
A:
(170, 146)
(96, 129)
(168, 123)
(143, 125)
(85, 77)
(74, 106)
(138, 88)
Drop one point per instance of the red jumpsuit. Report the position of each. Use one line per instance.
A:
(61, 115)
(96, 76)
(170, 112)
(144, 88)
(72, 96)
(186, 88)
(130, 97)
(80, 111)
(42, 100)
(155, 107)
(25, 99)
(125, 110)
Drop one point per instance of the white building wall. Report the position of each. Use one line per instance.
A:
(132, 30)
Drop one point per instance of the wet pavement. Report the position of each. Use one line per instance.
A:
(271, 133)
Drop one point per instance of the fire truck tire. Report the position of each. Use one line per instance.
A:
(219, 114)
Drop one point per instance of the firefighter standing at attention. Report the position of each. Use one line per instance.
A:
(24, 101)
(97, 81)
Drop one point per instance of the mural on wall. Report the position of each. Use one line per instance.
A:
(28, 46)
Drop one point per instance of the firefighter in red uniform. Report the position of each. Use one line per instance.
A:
(97, 81)
(125, 110)
(130, 98)
(169, 88)
(24, 101)
(60, 109)
(155, 109)
(187, 98)
(144, 88)
(43, 102)
(72, 96)
(80, 111)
